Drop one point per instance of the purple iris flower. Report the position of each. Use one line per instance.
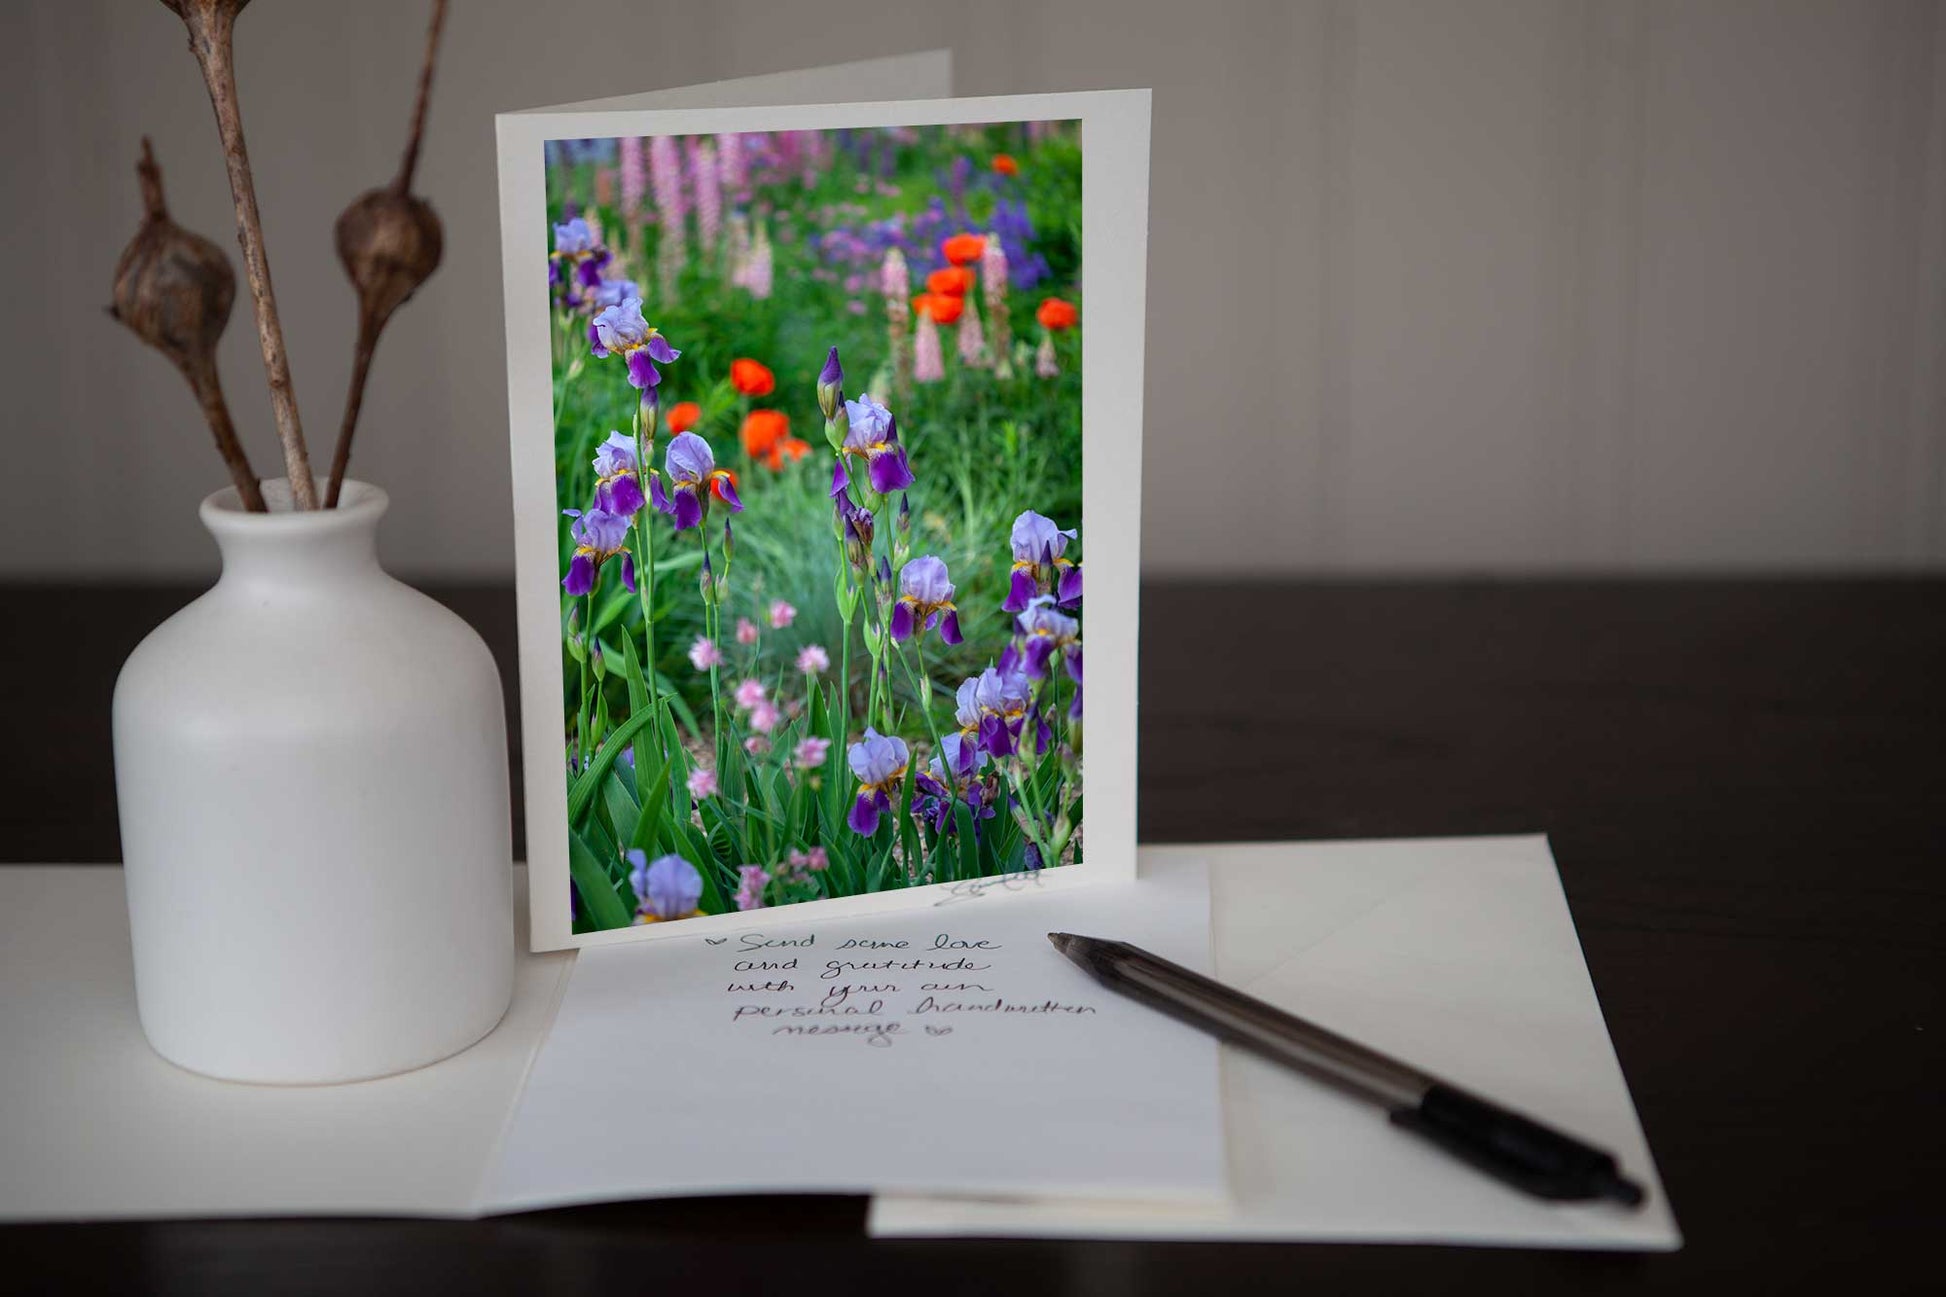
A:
(670, 888)
(577, 261)
(618, 484)
(1046, 631)
(925, 601)
(992, 707)
(613, 292)
(693, 476)
(868, 417)
(572, 237)
(839, 480)
(1038, 566)
(878, 762)
(598, 536)
(874, 437)
(621, 330)
(1074, 670)
(952, 775)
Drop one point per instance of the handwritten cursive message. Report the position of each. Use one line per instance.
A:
(871, 988)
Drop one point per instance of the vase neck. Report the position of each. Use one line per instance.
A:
(296, 549)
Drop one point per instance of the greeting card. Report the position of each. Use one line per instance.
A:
(827, 475)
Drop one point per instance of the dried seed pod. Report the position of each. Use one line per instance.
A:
(174, 290)
(390, 243)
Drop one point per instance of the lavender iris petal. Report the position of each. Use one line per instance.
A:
(642, 372)
(581, 575)
(1021, 591)
(1069, 591)
(890, 471)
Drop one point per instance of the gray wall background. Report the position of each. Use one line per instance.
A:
(1497, 286)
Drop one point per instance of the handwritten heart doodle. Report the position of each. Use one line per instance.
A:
(716, 941)
(938, 1031)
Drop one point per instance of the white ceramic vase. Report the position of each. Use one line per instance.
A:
(311, 765)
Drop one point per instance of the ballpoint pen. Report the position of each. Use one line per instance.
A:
(1516, 1149)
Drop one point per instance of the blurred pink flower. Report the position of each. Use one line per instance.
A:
(756, 745)
(813, 660)
(702, 782)
(749, 693)
(746, 631)
(972, 339)
(811, 752)
(704, 654)
(781, 614)
(635, 177)
(750, 891)
(764, 716)
(928, 362)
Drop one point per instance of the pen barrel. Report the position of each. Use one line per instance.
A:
(1265, 1029)
(1516, 1149)
(1543, 1161)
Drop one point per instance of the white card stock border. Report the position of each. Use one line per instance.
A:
(1115, 171)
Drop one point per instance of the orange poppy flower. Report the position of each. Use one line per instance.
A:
(1004, 163)
(684, 415)
(752, 378)
(762, 430)
(953, 281)
(716, 484)
(1055, 314)
(963, 248)
(944, 308)
(787, 447)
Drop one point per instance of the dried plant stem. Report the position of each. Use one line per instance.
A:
(373, 313)
(211, 25)
(410, 162)
(209, 394)
(361, 365)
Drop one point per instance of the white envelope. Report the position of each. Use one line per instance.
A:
(1456, 955)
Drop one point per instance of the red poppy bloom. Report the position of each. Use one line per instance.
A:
(752, 378)
(762, 430)
(944, 308)
(1004, 163)
(953, 281)
(684, 415)
(783, 448)
(963, 248)
(1055, 314)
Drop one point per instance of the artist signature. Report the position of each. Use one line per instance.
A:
(971, 889)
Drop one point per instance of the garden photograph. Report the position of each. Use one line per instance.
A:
(817, 456)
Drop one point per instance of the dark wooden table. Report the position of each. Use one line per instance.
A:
(1745, 784)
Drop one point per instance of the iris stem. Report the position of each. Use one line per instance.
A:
(1038, 832)
(645, 559)
(923, 685)
(712, 627)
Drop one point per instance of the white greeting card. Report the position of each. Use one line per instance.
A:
(815, 435)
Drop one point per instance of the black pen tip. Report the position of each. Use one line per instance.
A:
(1622, 1190)
(1065, 942)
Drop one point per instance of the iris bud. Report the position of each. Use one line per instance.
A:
(830, 381)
